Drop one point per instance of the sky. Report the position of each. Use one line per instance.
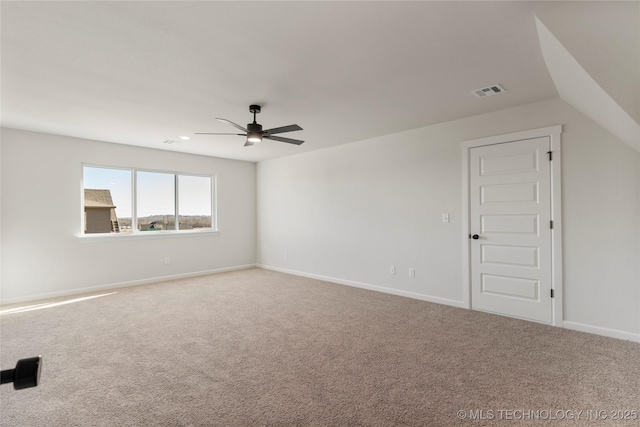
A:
(155, 191)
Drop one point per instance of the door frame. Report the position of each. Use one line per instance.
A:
(554, 133)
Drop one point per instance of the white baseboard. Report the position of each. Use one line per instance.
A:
(612, 333)
(76, 291)
(581, 327)
(428, 298)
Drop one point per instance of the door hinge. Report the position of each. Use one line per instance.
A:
(551, 293)
(550, 153)
(551, 224)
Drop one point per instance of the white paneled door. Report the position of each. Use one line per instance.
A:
(510, 229)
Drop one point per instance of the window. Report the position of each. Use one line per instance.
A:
(131, 201)
(194, 202)
(156, 201)
(107, 200)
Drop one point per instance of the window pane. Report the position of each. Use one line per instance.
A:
(107, 200)
(155, 201)
(194, 202)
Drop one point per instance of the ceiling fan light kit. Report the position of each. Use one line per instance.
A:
(254, 132)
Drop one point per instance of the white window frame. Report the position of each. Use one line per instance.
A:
(135, 233)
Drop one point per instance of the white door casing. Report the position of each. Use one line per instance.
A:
(511, 195)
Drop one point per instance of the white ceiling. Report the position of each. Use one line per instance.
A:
(140, 73)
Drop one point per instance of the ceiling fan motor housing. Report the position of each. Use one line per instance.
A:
(254, 128)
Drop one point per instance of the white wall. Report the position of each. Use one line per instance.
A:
(42, 254)
(347, 213)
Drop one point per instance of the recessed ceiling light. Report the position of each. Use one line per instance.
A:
(185, 138)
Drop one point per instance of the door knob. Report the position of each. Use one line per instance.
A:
(475, 237)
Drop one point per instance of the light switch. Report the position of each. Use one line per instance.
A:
(445, 217)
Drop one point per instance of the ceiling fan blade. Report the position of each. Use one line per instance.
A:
(215, 133)
(233, 124)
(283, 129)
(281, 139)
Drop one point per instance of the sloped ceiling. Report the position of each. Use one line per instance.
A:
(604, 38)
(140, 73)
(621, 70)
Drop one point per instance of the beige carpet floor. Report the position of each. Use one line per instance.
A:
(260, 348)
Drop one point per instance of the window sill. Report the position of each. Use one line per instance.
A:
(143, 235)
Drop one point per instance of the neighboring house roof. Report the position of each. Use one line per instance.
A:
(100, 199)
(97, 199)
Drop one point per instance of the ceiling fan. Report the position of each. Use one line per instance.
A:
(254, 132)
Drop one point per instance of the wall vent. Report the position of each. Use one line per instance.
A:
(488, 91)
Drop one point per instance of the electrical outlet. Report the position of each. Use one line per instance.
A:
(167, 261)
(412, 272)
(392, 270)
(445, 217)
(286, 255)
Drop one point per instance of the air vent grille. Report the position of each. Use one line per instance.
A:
(170, 141)
(488, 91)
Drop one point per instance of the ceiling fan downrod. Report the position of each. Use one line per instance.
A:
(255, 109)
